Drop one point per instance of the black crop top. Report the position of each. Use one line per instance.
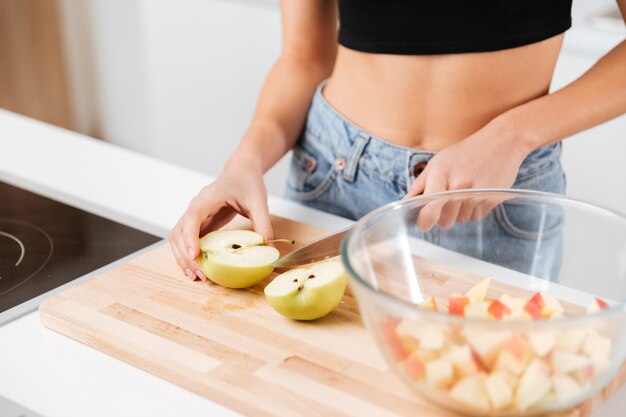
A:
(449, 26)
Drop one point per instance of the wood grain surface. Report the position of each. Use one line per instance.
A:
(231, 347)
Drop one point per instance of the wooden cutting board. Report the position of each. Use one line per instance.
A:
(231, 347)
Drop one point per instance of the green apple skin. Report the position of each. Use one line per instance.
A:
(309, 302)
(233, 276)
(242, 266)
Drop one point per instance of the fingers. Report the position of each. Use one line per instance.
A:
(174, 239)
(430, 214)
(467, 208)
(184, 237)
(260, 216)
(189, 241)
(485, 207)
(449, 214)
(417, 186)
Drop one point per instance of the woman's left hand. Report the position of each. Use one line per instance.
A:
(489, 158)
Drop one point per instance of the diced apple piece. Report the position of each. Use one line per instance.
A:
(514, 356)
(534, 384)
(548, 400)
(463, 361)
(427, 355)
(499, 390)
(534, 306)
(439, 373)
(470, 392)
(414, 367)
(583, 375)
(487, 344)
(519, 315)
(597, 305)
(477, 310)
(477, 293)
(497, 309)
(542, 342)
(564, 362)
(429, 336)
(457, 304)
(598, 348)
(565, 387)
(551, 305)
(570, 341)
(429, 304)
(392, 340)
(410, 343)
(513, 303)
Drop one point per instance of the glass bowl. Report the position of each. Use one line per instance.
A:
(494, 302)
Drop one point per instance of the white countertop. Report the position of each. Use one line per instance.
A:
(57, 376)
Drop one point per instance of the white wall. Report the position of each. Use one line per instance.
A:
(174, 79)
(178, 79)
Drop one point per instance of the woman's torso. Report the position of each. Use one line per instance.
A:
(432, 101)
(413, 72)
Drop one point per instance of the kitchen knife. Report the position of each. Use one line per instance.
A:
(324, 248)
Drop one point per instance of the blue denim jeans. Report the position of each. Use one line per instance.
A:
(340, 168)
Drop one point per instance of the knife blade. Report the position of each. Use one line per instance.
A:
(324, 248)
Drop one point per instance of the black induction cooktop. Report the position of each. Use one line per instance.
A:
(45, 244)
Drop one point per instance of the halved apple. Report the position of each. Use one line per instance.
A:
(236, 258)
(308, 293)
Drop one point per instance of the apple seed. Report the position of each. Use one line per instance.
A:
(311, 276)
(236, 246)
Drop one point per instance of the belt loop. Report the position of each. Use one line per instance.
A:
(349, 172)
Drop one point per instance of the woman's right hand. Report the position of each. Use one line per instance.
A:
(238, 190)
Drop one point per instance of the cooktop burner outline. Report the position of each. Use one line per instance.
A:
(23, 249)
(19, 242)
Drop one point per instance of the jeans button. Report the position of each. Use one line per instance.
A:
(419, 168)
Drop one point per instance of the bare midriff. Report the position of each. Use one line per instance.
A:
(429, 102)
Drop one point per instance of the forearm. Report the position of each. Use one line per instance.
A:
(597, 96)
(281, 111)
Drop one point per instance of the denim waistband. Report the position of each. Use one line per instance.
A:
(342, 138)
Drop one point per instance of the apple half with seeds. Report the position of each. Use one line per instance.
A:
(236, 258)
(308, 293)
